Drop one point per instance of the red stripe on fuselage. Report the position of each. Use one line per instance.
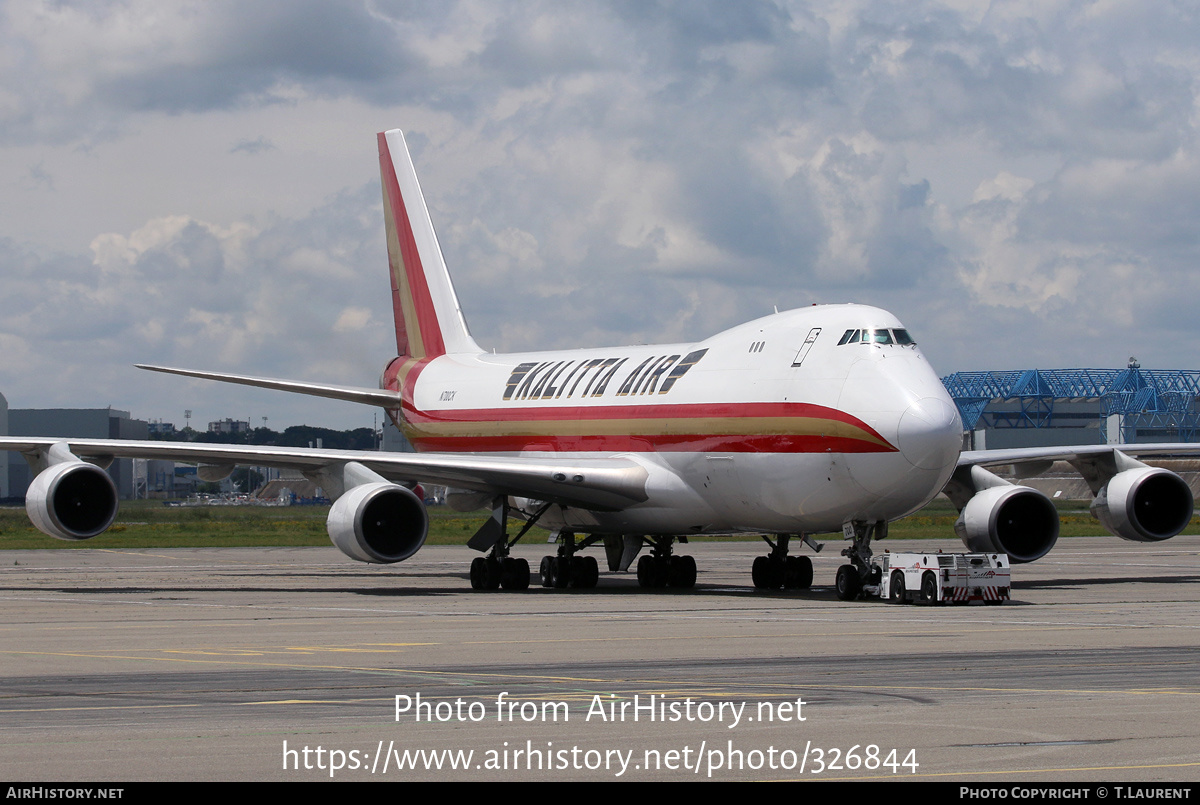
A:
(656, 443)
(522, 434)
(601, 412)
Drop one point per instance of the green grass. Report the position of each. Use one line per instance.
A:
(149, 524)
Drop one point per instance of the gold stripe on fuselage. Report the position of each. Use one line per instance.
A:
(660, 426)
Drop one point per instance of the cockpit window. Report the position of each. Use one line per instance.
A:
(878, 335)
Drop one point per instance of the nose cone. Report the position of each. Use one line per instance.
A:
(929, 434)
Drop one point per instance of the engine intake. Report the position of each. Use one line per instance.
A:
(72, 500)
(1144, 505)
(1016, 520)
(380, 523)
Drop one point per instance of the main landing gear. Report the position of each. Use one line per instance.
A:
(565, 569)
(861, 572)
(498, 569)
(492, 571)
(777, 569)
(660, 568)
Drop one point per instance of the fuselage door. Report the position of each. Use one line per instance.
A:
(808, 342)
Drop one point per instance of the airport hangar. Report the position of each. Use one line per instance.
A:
(999, 409)
(1047, 407)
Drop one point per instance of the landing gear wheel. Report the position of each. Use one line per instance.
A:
(798, 573)
(759, 571)
(651, 572)
(929, 589)
(848, 584)
(485, 573)
(560, 567)
(585, 572)
(769, 572)
(645, 572)
(555, 572)
(514, 573)
(492, 582)
(592, 571)
(478, 573)
(897, 592)
(681, 572)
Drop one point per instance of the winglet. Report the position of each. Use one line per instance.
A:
(429, 321)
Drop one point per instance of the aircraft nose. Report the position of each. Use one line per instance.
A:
(930, 434)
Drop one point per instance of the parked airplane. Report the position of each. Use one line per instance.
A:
(822, 419)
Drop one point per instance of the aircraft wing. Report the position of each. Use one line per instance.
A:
(366, 396)
(602, 483)
(1131, 499)
(1030, 455)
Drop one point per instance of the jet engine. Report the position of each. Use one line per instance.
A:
(378, 522)
(1017, 520)
(72, 500)
(1144, 504)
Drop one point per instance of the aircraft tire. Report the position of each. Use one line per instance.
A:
(848, 585)
(514, 574)
(562, 571)
(492, 574)
(548, 570)
(759, 572)
(681, 572)
(478, 573)
(798, 573)
(585, 572)
(645, 571)
(652, 572)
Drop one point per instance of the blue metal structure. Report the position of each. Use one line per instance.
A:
(1158, 399)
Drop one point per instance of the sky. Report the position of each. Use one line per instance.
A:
(196, 183)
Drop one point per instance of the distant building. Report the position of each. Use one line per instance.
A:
(73, 423)
(160, 428)
(228, 426)
(1044, 407)
(393, 440)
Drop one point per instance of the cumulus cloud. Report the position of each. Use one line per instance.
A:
(251, 147)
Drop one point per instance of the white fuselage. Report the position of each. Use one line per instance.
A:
(771, 426)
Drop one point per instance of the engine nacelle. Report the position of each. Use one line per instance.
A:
(72, 500)
(379, 523)
(1016, 520)
(1147, 504)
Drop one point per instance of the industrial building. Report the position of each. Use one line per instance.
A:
(94, 423)
(1040, 407)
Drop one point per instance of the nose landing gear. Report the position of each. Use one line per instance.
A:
(852, 578)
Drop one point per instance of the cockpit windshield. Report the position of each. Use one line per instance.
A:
(877, 335)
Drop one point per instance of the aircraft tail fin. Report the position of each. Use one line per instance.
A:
(429, 321)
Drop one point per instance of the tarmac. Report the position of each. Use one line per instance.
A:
(298, 664)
